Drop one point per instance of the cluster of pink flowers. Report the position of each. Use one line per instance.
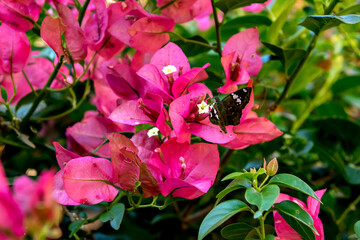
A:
(29, 204)
(157, 87)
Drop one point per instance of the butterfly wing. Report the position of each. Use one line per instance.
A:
(233, 105)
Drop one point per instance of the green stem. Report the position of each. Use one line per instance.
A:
(86, 93)
(12, 143)
(82, 11)
(331, 7)
(266, 178)
(115, 201)
(309, 51)
(350, 41)
(262, 227)
(292, 77)
(28, 81)
(321, 95)
(42, 93)
(102, 144)
(185, 40)
(217, 29)
(351, 207)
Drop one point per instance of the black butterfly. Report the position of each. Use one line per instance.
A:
(229, 110)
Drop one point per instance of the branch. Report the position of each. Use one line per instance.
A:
(42, 93)
(217, 28)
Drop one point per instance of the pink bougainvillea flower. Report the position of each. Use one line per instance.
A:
(129, 170)
(147, 110)
(185, 10)
(14, 50)
(257, 7)
(11, 217)
(85, 136)
(170, 70)
(52, 30)
(35, 198)
(185, 109)
(96, 32)
(87, 180)
(184, 170)
(284, 231)
(133, 26)
(240, 60)
(19, 15)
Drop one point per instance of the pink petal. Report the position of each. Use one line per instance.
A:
(146, 33)
(4, 187)
(183, 82)
(62, 155)
(14, 50)
(15, 14)
(59, 193)
(25, 193)
(244, 44)
(96, 25)
(11, 217)
(86, 180)
(129, 112)
(105, 99)
(145, 144)
(314, 205)
(123, 158)
(90, 133)
(253, 131)
(140, 59)
(186, 10)
(170, 54)
(123, 80)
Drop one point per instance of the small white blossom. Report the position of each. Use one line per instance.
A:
(203, 107)
(153, 132)
(169, 69)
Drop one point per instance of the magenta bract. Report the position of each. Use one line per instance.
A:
(184, 170)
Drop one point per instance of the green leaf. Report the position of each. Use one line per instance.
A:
(293, 182)
(297, 218)
(192, 49)
(318, 23)
(239, 175)
(277, 25)
(4, 94)
(331, 109)
(233, 26)
(219, 215)
(234, 185)
(343, 85)
(264, 199)
(288, 57)
(357, 228)
(228, 5)
(352, 174)
(75, 226)
(236, 231)
(115, 215)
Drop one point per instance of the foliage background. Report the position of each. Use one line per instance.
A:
(320, 118)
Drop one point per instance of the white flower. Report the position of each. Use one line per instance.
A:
(203, 107)
(169, 69)
(153, 132)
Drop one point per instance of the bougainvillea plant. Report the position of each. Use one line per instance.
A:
(125, 119)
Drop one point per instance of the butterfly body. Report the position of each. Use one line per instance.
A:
(229, 110)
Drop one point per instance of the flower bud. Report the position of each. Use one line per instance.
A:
(272, 167)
